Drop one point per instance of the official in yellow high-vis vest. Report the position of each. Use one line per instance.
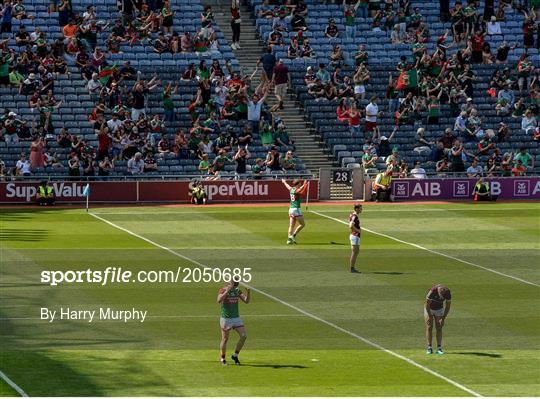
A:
(382, 186)
(482, 191)
(45, 194)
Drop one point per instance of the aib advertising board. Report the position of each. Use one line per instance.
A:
(508, 188)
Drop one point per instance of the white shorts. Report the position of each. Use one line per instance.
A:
(295, 212)
(355, 240)
(359, 89)
(434, 312)
(227, 324)
(281, 89)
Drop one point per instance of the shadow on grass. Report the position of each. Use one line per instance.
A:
(78, 343)
(22, 235)
(13, 216)
(39, 375)
(390, 273)
(481, 354)
(21, 285)
(275, 366)
(90, 367)
(302, 243)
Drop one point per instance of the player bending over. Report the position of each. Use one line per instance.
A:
(437, 307)
(354, 225)
(230, 318)
(297, 189)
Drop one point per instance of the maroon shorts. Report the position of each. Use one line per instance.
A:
(368, 127)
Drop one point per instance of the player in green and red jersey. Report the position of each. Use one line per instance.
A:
(228, 297)
(296, 191)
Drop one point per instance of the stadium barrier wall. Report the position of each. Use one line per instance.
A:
(506, 188)
(24, 192)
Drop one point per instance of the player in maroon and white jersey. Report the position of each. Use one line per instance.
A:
(354, 237)
(436, 308)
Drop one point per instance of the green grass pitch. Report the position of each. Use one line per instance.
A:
(307, 337)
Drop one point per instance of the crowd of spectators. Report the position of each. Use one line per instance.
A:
(428, 85)
(124, 128)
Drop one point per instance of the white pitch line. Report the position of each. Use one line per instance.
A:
(308, 314)
(10, 382)
(433, 251)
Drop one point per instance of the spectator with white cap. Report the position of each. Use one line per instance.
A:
(11, 125)
(468, 106)
(29, 85)
(384, 149)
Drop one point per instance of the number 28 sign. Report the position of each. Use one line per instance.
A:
(342, 176)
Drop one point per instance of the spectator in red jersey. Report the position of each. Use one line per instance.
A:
(436, 309)
(519, 169)
(342, 110)
(354, 116)
(536, 134)
(281, 81)
(477, 42)
(235, 24)
(104, 143)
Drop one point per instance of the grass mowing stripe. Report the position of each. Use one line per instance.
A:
(308, 314)
(366, 209)
(10, 382)
(432, 251)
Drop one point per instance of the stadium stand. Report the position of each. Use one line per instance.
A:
(54, 116)
(420, 26)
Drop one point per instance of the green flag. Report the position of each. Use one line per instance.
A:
(106, 73)
(407, 79)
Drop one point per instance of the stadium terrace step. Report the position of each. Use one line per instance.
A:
(308, 147)
(78, 104)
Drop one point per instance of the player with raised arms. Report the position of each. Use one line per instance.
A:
(436, 308)
(296, 191)
(354, 237)
(228, 297)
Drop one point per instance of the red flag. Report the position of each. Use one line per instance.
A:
(402, 81)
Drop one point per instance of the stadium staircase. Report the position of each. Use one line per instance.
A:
(77, 106)
(309, 147)
(383, 57)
